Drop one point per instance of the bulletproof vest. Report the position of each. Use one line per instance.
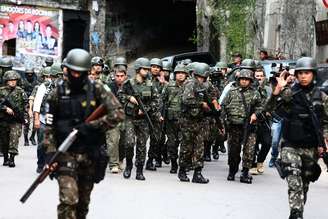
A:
(174, 101)
(194, 111)
(72, 110)
(49, 88)
(29, 86)
(144, 90)
(298, 128)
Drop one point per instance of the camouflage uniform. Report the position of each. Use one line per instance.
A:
(295, 148)
(171, 98)
(28, 86)
(10, 127)
(67, 108)
(192, 126)
(234, 112)
(136, 127)
(77, 168)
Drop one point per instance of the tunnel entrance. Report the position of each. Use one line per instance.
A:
(161, 27)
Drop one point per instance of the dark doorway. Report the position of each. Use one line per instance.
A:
(168, 26)
(9, 47)
(76, 30)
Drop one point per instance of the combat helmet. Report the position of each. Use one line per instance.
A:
(221, 65)
(246, 73)
(11, 75)
(167, 66)
(306, 64)
(156, 61)
(201, 69)
(248, 64)
(120, 61)
(142, 63)
(56, 68)
(78, 60)
(6, 62)
(97, 61)
(181, 68)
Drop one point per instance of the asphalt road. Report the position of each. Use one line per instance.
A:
(161, 196)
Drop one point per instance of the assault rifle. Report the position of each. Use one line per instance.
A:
(18, 114)
(202, 93)
(52, 164)
(142, 108)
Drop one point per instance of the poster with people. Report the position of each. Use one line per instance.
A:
(35, 29)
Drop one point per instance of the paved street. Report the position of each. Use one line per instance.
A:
(161, 196)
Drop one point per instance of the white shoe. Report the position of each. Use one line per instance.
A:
(253, 171)
(115, 170)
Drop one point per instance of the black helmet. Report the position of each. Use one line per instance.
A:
(310, 169)
(202, 70)
(156, 61)
(78, 60)
(306, 64)
(141, 63)
(248, 64)
(120, 61)
(97, 61)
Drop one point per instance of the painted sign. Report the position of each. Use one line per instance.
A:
(35, 29)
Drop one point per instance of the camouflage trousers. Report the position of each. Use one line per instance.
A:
(192, 144)
(173, 133)
(136, 133)
(235, 138)
(297, 185)
(112, 141)
(154, 150)
(9, 137)
(75, 180)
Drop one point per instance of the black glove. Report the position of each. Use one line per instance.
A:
(85, 129)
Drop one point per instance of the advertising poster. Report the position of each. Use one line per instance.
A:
(35, 29)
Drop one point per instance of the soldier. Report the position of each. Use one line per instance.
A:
(192, 124)
(263, 132)
(171, 98)
(136, 128)
(29, 82)
(304, 132)
(237, 59)
(68, 106)
(115, 136)
(97, 64)
(13, 104)
(240, 107)
(154, 151)
(39, 112)
(6, 64)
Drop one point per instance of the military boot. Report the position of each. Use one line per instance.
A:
(245, 177)
(166, 159)
(182, 175)
(222, 148)
(158, 163)
(174, 166)
(232, 172)
(150, 165)
(32, 138)
(12, 160)
(215, 152)
(5, 159)
(295, 214)
(26, 142)
(139, 175)
(198, 177)
(128, 168)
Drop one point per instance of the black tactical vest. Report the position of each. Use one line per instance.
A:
(298, 128)
(72, 110)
